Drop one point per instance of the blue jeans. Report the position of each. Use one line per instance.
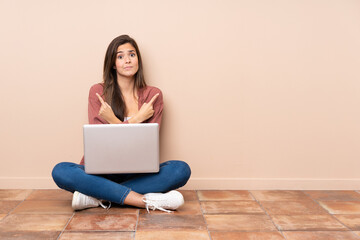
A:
(115, 187)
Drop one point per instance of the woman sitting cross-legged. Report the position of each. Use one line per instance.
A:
(124, 98)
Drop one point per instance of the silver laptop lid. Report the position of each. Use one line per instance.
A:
(121, 148)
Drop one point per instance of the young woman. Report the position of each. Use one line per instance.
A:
(124, 98)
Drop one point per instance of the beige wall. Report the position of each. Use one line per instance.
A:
(258, 94)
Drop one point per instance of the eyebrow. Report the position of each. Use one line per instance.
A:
(123, 51)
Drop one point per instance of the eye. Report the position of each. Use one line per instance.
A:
(133, 55)
(120, 57)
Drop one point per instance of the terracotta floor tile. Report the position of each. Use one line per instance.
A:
(335, 207)
(239, 223)
(351, 221)
(246, 236)
(97, 235)
(112, 210)
(279, 195)
(7, 206)
(229, 215)
(307, 222)
(238, 207)
(293, 207)
(38, 222)
(96, 222)
(224, 195)
(174, 222)
(334, 195)
(330, 235)
(189, 195)
(29, 235)
(189, 208)
(50, 194)
(14, 194)
(44, 207)
(172, 235)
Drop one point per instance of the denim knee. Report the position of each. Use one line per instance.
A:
(181, 171)
(60, 174)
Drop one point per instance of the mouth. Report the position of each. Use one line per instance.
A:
(127, 68)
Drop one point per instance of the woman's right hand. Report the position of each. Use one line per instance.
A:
(145, 112)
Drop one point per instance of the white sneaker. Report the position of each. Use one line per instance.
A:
(163, 201)
(81, 201)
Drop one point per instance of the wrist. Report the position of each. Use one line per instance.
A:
(133, 120)
(114, 120)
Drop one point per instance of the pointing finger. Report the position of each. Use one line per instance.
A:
(107, 105)
(100, 98)
(154, 98)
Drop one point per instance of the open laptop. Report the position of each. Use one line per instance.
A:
(121, 148)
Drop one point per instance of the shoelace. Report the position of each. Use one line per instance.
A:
(103, 206)
(154, 206)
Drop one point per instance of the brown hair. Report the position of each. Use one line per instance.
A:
(112, 91)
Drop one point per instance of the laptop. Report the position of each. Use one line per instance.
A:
(121, 148)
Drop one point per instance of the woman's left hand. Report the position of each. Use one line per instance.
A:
(106, 112)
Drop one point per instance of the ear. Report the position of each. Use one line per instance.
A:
(114, 67)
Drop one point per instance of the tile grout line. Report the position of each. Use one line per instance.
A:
(350, 230)
(21, 201)
(137, 222)
(354, 234)
(278, 229)
(332, 215)
(202, 214)
(66, 225)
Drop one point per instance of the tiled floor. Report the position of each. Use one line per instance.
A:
(245, 215)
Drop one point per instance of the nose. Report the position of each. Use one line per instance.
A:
(127, 59)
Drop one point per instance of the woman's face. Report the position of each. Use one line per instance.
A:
(126, 63)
